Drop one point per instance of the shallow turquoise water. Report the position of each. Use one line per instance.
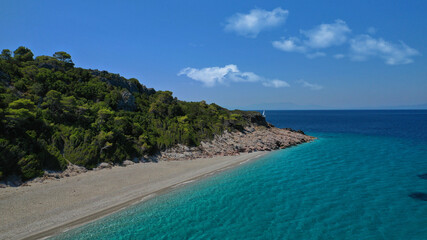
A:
(342, 186)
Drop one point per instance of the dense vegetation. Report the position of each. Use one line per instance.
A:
(53, 113)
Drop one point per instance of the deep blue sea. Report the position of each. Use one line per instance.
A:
(354, 182)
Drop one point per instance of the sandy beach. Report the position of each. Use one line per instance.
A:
(48, 208)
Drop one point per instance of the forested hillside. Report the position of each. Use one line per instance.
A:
(53, 113)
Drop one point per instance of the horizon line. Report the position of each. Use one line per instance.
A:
(338, 109)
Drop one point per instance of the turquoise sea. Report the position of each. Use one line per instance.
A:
(354, 182)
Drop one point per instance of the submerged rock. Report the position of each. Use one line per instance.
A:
(423, 176)
(419, 196)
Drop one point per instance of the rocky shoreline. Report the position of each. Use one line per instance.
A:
(251, 139)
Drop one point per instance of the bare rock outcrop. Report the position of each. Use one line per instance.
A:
(127, 101)
(103, 165)
(71, 170)
(252, 138)
(119, 81)
(127, 163)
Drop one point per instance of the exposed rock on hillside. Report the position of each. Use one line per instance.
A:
(132, 85)
(127, 102)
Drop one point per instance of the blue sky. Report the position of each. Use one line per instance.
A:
(240, 54)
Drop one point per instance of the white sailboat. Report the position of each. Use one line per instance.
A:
(263, 113)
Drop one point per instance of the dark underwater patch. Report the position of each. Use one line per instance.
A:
(423, 176)
(419, 196)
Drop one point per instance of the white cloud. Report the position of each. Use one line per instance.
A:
(315, 55)
(209, 76)
(339, 56)
(275, 83)
(212, 76)
(322, 36)
(364, 46)
(326, 35)
(251, 24)
(312, 86)
(290, 45)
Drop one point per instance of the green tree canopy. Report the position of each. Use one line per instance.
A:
(6, 54)
(64, 57)
(23, 54)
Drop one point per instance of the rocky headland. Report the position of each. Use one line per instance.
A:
(251, 139)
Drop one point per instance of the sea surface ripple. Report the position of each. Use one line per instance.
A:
(353, 182)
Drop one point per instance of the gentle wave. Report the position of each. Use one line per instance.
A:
(340, 187)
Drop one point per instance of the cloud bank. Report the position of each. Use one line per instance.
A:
(257, 20)
(212, 76)
(314, 42)
(361, 47)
